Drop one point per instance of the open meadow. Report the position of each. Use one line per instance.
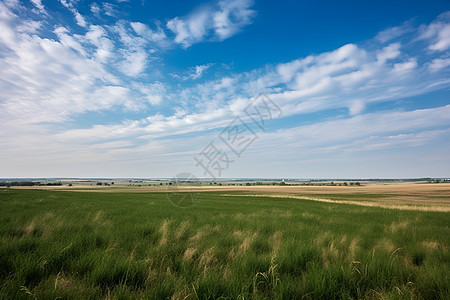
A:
(368, 242)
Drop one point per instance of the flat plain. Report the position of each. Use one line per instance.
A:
(242, 242)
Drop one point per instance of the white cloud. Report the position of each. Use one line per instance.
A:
(135, 54)
(438, 32)
(220, 22)
(152, 93)
(287, 71)
(389, 52)
(443, 42)
(316, 75)
(197, 71)
(29, 26)
(357, 107)
(95, 9)
(403, 140)
(438, 64)
(109, 9)
(97, 36)
(347, 77)
(157, 36)
(68, 40)
(225, 83)
(47, 80)
(78, 17)
(406, 66)
(377, 142)
(135, 63)
(140, 28)
(368, 132)
(231, 17)
(394, 32)
(39, 6)
(329, 136)
(57, 80)
(189, 31)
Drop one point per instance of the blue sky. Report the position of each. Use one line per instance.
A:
(353, 89)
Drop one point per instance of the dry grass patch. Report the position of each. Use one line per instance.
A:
(433, 245)
(198, 236)
(181, 229)
(281, 213)
(238, 233)
(352, 248)
(329, 254)
(410, 196)
(66, 284)
(396, 226)
(164, 230)
(227, 272)
(323, 239)
(30, 228)
(308, 215)
(276, 241)
(182, 294)
(152, 276)
(100, 219)
(246, 239)
(387, 245)
(189, 253)
(207, 258)
(245, 245)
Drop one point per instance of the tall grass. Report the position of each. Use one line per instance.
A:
(106, 245)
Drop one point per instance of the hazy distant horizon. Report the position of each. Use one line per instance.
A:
(222, 179)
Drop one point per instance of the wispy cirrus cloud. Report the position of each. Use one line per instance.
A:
(157, 36)
(394, 32)
(213, 22)
(439, 64)
(194, 72)
(438, 32)
(51, 76)
(81, 21)
(39, 6)
(198, 71)
(53, 79)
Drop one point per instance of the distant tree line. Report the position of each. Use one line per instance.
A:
(105, 183)
(29, 183)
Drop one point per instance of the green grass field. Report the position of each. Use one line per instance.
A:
(138, 245)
